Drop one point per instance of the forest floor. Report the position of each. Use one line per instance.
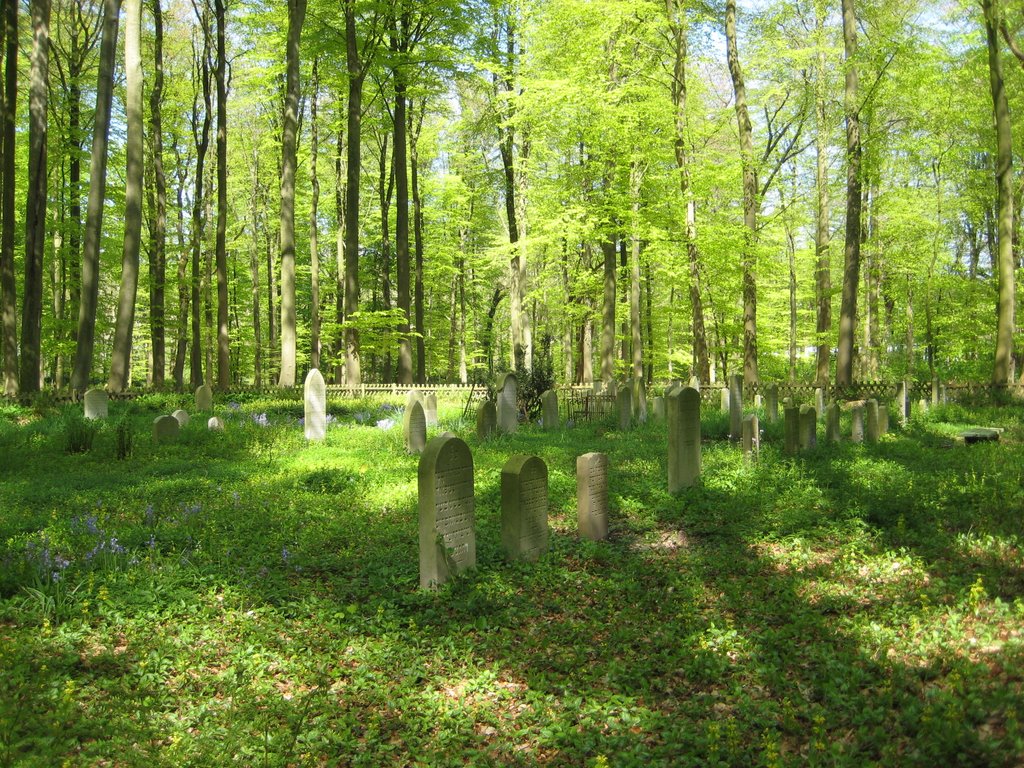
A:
(246, 598)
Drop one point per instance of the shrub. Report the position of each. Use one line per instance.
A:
(123, 438)
(79, 433)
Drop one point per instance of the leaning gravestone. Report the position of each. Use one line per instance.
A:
(857, 424)
(96, 404)
(430, 409)
(871, 411)
(508, 407)
(751, 441)
(446, 509)
(182, 417)
(791, 430)
(658, 408)
(524, 508)
(735, 406)
(204, 398)
(832, 434)
(215, 424)
(315, 396)
(808, 428)
(683, 439)
(414, 428)
(771, 403)
(592, 495)
(486, 420)
(549, 407)
(165, 429)
(624, 405)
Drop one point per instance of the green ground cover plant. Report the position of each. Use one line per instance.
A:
(247, 598)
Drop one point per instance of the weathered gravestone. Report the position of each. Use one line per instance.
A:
(735, 406)
(871, 414)
(165, 429)
(524, 508)
(549, 409)
(903, 402)
(446, 508)
(182, 417)
(658, 408)
(808, 428)
(695, 383)
(414, 428)
(751, 440)
(723, 402)
(832, 433)
(411, 396)
(639, 395)
(430, 409)
(204, 398)
(683, 439)
(935, 392)
(508, 404)
(592, 495)
(819, 402)
(314, 423)
(857, 424)
(883, 419)
(771, 403)
(215, 424)
(791, 430)
(486, 420)
(922, 405)
(96, 404)
(624, 406)
(980, 435)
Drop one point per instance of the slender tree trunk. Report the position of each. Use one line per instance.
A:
(639, 404)
(223, 336)
(356, 75)
(36, 199)
(415, 127)
(401, 170)
(314, 247)
(608, 312)
(158, 223)
(1002, 369)
(649, 318)
(120, 364)
(851, 269)
(823, 266)
(296, 17)
(339, 209)
(8, 288)
(201, 134)
(254, 271)
(791, 253)
(750, 201)
(184, 287)
(387, 186)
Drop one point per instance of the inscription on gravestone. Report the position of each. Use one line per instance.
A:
(446, 510)
(524, 508)
(592, 495)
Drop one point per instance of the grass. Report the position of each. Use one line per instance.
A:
(245, 597)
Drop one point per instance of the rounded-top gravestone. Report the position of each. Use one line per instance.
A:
(314, 423)
(204, 398)
(165, 429)
(524, 508)
(182, 417)
(486, 420)
(96, 404)
(215, 424)
(549, 408)
(446, 510)
(508, 403)
(414, 427)
(430, 409)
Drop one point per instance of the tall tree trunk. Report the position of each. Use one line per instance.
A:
(296, 17)
(750, 201)
(8, 287)
(158, 223)
(223, 337)
(184, 287)
(608, 312)
(120, 363)
(823, 265)
(35, 209)
(401, 170)
(357, 69)
(791, 253)
(387, 188)
(1002, 369)
(851, 269)
(201, 135)
(254, 271)
(339, 209)
(314, 247)
(639, 404)
(415, 126)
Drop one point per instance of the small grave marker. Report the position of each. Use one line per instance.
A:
(592, 495)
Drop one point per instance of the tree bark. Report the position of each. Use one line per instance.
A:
(120, 365)
(314, 248)
(254, 271)
(8, 287)
(158, 222)
(415, 126)
(823, 265)
(340, 192)
(223, 336)
(35, 208)
(851, 269)
(1002, 369)
(399, 47)
(296, 18)
(608, 312)
(201, 134)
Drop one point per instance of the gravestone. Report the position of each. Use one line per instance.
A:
(592, 495)
(832, 433)
(735, 406)
(414, 428)
(903, 402)
(96, 404)
(215, 424)
(204, 398)
(314, 389)
(791, 430)
(611, 388)
(658, 408)
(723, 402)
(883, 419)
(411, 396)
(771, 403)
(486, 420)
(639, 394)
(508, 408)
(182, 417)
(597, 387)
(922, 405)
(979, 435)
(165, 429)
(943, 400)
(430, 409)
(935, 391)
(446, 509)
(524, 508)
(808, 428)
(857, 424)
(624, 406)
(751, 436)
(683, 409)
(695, 383)
(819, 402)
(549, 408)
(871, 413)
